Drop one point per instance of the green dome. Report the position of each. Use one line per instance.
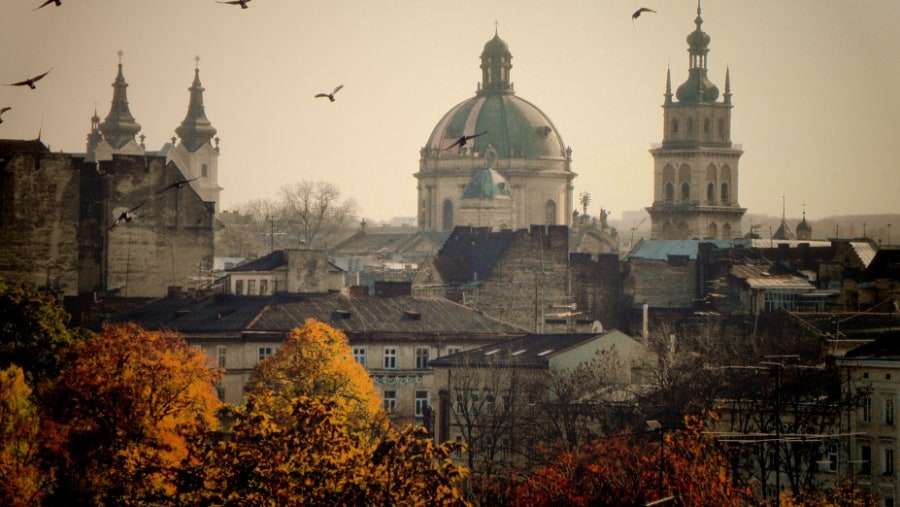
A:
(513, 127)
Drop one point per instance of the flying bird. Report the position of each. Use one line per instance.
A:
(5, 109)
(126, 215)
(175, 184)
(462, 140)
(29, 82)
(242, 3)
(48, 2)
(638, 13)
(330, 95)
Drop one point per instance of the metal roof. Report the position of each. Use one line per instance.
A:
(531, 351)
(661, 249)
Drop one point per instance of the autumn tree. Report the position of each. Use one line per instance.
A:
(24, 477)
(33, 332)
(312, 433)
(315, 361)
(635, 469)
(127, 402)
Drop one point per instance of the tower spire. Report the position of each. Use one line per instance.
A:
(196, 130)
(119, 127)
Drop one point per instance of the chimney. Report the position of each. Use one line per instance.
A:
(359, 291)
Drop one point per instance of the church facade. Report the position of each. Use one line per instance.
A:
(494, 160)
(695, 174)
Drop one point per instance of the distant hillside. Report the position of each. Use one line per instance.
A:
(877, 227)
(636, 225)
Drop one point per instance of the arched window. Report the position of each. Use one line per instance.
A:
(685, 192)
(710, 193)
(675, 125)
(684, 232)
(711, 231)
(726, 231)
(667, 232)
(670, 192)
(724, 197)
(204, 170)
(447, 218)
(550, 212)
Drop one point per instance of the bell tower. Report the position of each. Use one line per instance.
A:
(695, 176)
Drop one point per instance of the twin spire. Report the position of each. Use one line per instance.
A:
(120, 127)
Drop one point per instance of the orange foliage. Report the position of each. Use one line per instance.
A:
(316, 361)
(628, 471)
(127, 402)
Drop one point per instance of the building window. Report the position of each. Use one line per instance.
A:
(453, 350)
(888, 464)
(675, 126)
(204, 170)
(706, 125)
(221, 356)
(421, 358)
(390, 359)
(390, 401)
(867, 409)
(685, 192)
(670, 192)
(690, 126)
(865, 459)
(489, 402)
(721, 128)
(359, 355)
(263, 287)
(457, 449)
(888, 501)
(711, 193)
(220, 391)
(421, 402)
(724, 197)
(251, 287)
(264, 352)
(889, 411)
(239, 287)
(831, 464)
(550, 212)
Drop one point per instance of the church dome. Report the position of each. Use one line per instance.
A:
(507, 127)
(512, 128)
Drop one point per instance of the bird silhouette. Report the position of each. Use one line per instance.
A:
(463, 139)
(330, 95)
(5, 109)
(29, 82)
(126, 215)
(48, 2)
(175, 184)
(242, 3)
(638, 13)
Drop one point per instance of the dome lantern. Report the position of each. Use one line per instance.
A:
(496, 62)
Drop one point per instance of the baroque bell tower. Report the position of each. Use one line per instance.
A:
(695, 176)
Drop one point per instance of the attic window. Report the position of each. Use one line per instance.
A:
(544, 353)
(491, 352)
(411, 315)
(341, 314)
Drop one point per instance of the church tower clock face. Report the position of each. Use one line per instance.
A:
(503, 143)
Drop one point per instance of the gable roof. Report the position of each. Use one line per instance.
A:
(283, 312)
(531, 351)
(268, 262)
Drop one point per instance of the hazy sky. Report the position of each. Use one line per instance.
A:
(816, 87)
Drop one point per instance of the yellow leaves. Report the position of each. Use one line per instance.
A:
(21, 477)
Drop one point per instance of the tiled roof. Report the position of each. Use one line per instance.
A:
(375, 241)
(8, 146)
(399, 314)
(283, 312)
(531, 351)
(885, 347)
(759, 277)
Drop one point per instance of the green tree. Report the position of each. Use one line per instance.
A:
(127, 404)
(33, 332)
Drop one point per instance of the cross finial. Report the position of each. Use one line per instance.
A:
(496, 27)
(196, 61)
(121, 54)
